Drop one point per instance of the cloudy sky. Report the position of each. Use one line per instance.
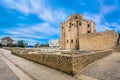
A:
(38, 20)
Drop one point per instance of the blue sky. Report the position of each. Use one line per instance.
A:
(38, 20)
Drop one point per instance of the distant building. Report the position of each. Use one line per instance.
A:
(7, 41)
(4, 42)
(54, 43)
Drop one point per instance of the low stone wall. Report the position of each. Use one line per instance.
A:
(71, 64)
(116, 49)
(80, 62)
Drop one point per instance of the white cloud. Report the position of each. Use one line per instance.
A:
(44, 28)
(116, 26)
(43, 11)
(107, 9)
(34, 31)
(37, 7)
(99, 17)
(46, 13)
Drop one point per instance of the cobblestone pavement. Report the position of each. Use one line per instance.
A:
(5, 72)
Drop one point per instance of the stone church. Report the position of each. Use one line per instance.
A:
(79, 34)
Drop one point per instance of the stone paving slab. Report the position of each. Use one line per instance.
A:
(5, 72)
(107, 68)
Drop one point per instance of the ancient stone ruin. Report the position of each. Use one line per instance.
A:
(84, 45)
(79, 34)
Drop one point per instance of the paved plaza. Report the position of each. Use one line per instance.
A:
(107, 68)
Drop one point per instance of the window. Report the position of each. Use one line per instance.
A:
(72, 24)
(71, 41)
(62, 27)
(88, 25)
(89, 31)
(67, 41)
(80, 23)
(76, 17)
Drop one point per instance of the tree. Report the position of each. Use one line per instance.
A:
(0, 45)
(21, 43)
(7, 41)
(37, 45)
(44, 45)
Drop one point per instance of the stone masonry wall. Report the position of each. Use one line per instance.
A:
(72, 28)
(71, 64)
(98, 41)
(81, 61)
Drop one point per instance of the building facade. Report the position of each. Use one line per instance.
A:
(7, 41)
(98, 41)
(118, 41)
(71, 30)
(54, 43)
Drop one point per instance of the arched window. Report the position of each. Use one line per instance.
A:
(88, 25)
(72, 41)
(80, 23)
(89, 31)
(76, 17)
(62, 27)
(67, 41)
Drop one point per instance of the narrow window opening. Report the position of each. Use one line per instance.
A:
(62, 27)
(76, 17)
(80, 23)
(67, 41)
(89, 31)
(71, 41)
(72, 24)
(88, 25)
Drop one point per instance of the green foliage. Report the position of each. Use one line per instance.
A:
(37, 45)
(0, 45)
(8, 41)
(44, 45)
(21, 43)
